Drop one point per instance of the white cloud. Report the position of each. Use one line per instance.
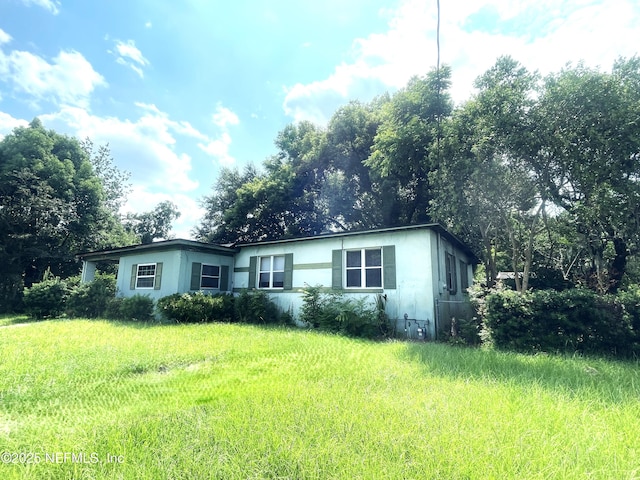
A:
(68, 79)
(145, 146)
(162, 118)
(130, 56)
(542, 34)
(8, 123)
(219, 148)
(223, 117)
(150, 147)
(4, 37)
(318, 100)
(50, 5)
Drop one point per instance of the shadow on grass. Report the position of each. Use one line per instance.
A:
(9, 320)
(608, 380)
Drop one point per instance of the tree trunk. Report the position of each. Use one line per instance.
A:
(618, 265)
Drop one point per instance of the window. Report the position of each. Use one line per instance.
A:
(145, 275)
(271, 273)
(363, 268)
(450, 272)
(210, 276)
(464, 276)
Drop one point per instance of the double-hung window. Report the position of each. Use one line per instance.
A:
(145, 275)
(210, 276)
(363, 268)
(450, 273)
(464, 276)
(271, 273)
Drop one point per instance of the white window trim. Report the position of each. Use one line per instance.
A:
(138, 276)
(363, 268)
(271, 271)
(202, 275)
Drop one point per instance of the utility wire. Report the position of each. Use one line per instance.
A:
(438, 86)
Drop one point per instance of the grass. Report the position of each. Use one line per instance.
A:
(229, 401)
(14, 319)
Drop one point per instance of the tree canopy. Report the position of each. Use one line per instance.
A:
(53, 205)
(537, 174)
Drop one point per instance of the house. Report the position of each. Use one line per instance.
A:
(418, 269)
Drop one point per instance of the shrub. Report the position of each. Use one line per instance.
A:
(334, 313)
(138, 308)
(113, 309)
(575, 320)
(46, 299)
(321, 310)
(629, 304)
(91, 299)
(255, 306)
(197, 307)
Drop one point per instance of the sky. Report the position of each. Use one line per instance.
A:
(181, 89)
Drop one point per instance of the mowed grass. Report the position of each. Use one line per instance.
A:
(231, 401)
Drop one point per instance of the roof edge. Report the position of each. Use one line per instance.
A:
(433, 226)
(161, 245)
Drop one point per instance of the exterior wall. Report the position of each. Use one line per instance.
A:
(446, 303)
(170, 266)
(88, 271)
(176, 270)
(188, 257)
(312, 265)
(420, 296)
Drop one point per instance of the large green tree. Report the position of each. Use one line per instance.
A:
(405, 149)
(588, 129)
(485, 190)
(154, 224)
(534, 173)
(348, 193)
(282, 201)
(51, 207)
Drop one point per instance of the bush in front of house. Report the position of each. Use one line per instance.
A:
(46, 299)
(137, 308)
(353, 317)
(91, 299)
(255, 306)
(574, 320)
(197, 307)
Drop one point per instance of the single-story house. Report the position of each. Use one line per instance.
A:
(417, 268)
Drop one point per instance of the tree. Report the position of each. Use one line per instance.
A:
(114, 181)
(346, 194)
(404, 150)
(485, 187)
(51, 207)
(589, 161)
(154, 224)
(222, 219)
(283, 201)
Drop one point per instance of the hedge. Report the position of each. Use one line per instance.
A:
(575, 320)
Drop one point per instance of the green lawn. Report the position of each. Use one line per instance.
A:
(230, 401)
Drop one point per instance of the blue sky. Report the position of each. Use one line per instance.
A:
(180, 89)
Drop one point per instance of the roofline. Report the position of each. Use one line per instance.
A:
(181, 244)
(432, 226)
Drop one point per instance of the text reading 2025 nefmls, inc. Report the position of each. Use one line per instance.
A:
(26, 458)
